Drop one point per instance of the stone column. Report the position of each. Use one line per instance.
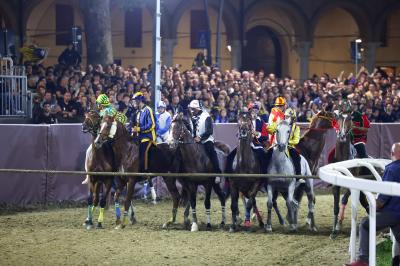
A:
(370, 55)
(168, 46)
(236, 54)
(303, 50)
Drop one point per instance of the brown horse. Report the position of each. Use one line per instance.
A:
(126, 153)
(97, 160)
(193, 159)
(311, 146)
(246, 162)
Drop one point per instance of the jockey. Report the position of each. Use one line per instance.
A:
(359, 131)
(203, 132)
(106, 109)
(260, 135)
(277, 115)
(163, 122)
(144, 129)
(290, 116)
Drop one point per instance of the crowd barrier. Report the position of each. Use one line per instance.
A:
(62, 147)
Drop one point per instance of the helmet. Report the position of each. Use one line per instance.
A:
(138, 96)
(290, 113)
(195, 104)
(103, 100)
(161, 104)
(280, 101)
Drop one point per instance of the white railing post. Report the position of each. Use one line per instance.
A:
(355, 197)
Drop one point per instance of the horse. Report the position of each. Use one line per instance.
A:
(126, 151)
(343, 151)
(281, 164)
(181, 138)
(245, 162)
(97, 160)
(310, 147)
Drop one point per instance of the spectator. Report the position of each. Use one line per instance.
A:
(69, 109)
(222, 117)
(388, 212)
(69, 57)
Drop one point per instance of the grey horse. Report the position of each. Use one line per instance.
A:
(281, 164)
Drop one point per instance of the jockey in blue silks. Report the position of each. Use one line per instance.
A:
(164, 121)
(144, 129)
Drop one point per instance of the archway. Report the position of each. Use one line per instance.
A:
(263, 51)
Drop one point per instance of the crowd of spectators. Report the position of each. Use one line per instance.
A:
(64, 93)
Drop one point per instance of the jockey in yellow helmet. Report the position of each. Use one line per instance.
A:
(276, 116)
(106, 109)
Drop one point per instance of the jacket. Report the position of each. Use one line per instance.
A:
(145, 124)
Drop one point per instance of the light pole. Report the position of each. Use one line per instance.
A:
(356, 54)
(156, 64)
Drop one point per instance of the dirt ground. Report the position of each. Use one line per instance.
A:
(56, 237)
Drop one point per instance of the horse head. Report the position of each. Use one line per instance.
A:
(91, 124)
(283, 135)
(179, 131)
(323, 120)
(245, 125)
(344, 122)
(104, 132)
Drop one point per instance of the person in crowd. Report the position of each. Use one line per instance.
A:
(203, 132)
(164, 121)
(222, 117)
(69, 109)
(70, 57)
(387, 215)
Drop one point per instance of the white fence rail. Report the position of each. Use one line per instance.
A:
(338, 174)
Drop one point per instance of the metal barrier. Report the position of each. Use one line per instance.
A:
(14, 96)
(338, 174)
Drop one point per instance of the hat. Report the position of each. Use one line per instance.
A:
(280, 101)
(138, 96)
(194, 104)
(161, 104)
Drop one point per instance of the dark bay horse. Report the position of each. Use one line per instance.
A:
(126, 152)
(343, 151)
(193, 159)
(97, 160)
(310, 147)
(245, 162)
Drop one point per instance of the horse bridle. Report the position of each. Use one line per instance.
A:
(181, 135)
(92, 126)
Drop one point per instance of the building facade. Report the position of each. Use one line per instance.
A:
(288, 37)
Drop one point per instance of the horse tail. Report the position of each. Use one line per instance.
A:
(223, 147)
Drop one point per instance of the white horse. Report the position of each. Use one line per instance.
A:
(281, 164)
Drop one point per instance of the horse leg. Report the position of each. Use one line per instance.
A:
(193, 195)
(222, 200)
(89, 218)
(103, 202)
(96, 192)
(309, 189)
(252, 197)
(268, 226)
(336, 197)
(153, 192)
(292, 204)
(207, 203)
(258, 214)
(275, 195)
(234, 207)
(127, 202)
(364, 202)
(171, 186)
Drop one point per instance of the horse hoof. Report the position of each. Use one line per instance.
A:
(233, 229)
(194, 227)
(292, 228)
(253, 217)
(247, 224)
(208, 227)
(308, 221)
(314, 229)
(282, 222)
(239, 220)
(99, 226)
(89, 226)
(333, 235)
(154, 202)
(133, 220)
(260, 224)
(87, 222)
(221, 225)
(119, 227)
(165, 225)
(268, 228)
